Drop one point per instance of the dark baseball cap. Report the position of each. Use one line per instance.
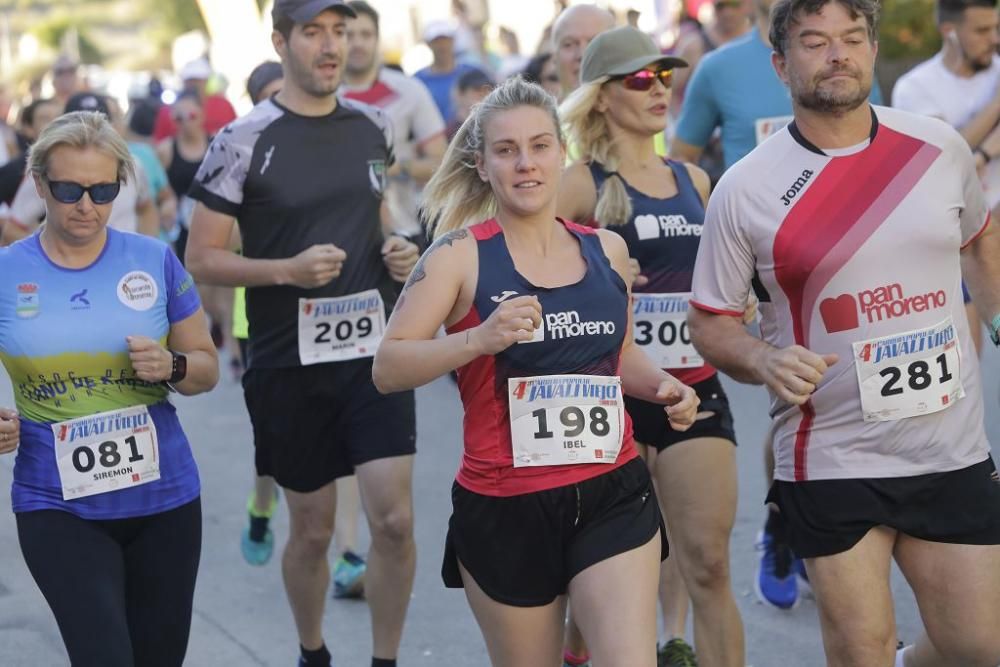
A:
(88, 102)
(261, 76)
(621, 51)
(301, 11)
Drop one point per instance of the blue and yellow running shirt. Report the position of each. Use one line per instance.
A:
(62, 342)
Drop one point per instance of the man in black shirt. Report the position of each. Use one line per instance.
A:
(304, 174)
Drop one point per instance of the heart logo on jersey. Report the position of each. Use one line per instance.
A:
(839, 314)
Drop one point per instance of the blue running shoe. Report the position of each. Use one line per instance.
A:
(256, 553)
(775, 583)
(349, 576)
(257, 539)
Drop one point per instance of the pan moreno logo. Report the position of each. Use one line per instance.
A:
(845, 312)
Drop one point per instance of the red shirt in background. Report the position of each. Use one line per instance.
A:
(218, 113)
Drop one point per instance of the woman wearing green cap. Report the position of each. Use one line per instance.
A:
(658, 207)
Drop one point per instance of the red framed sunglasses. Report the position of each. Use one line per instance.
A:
(644, 79)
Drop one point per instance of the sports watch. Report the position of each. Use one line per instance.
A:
(180, 367)
(995, 330)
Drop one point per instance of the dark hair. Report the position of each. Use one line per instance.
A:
(28, 112)
(784, 13)
(951, 11)
(284, 25)
(361, 7)
(261, 77)
(473, 79)
(142, 117)
(533, 70)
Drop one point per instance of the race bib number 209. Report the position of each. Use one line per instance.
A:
(340, 328)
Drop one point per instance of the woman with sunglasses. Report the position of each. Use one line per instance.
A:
(657, 207)
(551, 498)
(96, 327)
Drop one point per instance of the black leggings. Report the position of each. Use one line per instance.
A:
(121, 590)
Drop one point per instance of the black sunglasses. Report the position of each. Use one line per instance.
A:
(68, 192)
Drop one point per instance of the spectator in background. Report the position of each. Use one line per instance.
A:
(470, 89)
(511, 62)
(542, 70)
(65, 78)
(732, 20)
(133, 210)
(961, 86)
(218, 112)
(138, 133)
(571, 33)
(34, 118)
(441, 75)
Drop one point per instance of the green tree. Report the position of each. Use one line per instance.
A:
(51, 33)
(908, 30)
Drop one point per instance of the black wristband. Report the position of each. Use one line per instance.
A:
(180, 367)
(418, 239)
(986, 156)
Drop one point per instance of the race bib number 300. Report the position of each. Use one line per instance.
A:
(340, 328)
(106, 452)
(909, 374)
(661, 329)
(566, 419)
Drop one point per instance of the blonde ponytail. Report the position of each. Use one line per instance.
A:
(588, 132)
(456, 196)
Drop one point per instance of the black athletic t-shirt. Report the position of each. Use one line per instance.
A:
(294, 181)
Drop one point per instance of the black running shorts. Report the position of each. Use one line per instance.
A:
(313, 424)
(649, 421)
(524, 550)
(830, 516)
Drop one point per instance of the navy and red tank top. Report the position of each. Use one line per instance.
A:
(663, 236)
(569, 347)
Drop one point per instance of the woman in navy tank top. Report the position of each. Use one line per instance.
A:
(551, 500)
(658, 207)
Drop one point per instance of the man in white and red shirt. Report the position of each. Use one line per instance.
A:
(853, 226)
(418, 127)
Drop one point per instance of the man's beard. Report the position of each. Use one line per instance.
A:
(833, 101)
(359, 70)
(308, 81)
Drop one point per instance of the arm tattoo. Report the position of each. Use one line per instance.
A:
(448, 239)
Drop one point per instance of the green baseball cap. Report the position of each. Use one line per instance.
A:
(622, 51)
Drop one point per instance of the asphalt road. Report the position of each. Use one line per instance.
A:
(241, 616)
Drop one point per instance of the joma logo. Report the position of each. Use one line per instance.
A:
(796, 188)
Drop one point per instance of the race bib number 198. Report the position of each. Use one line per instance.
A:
(914, 373)
(340, 328)
(106, 452)
(566, 419)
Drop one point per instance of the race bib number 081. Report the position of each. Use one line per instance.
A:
(661, 329)
(565, 419)
(340, 328)
(106, 452)
(905, 375)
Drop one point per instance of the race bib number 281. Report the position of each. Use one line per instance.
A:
(914, 373)
(565, 419)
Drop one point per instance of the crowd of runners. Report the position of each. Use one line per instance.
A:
(586, 240)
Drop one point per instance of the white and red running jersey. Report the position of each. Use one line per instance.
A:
(856, 252)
